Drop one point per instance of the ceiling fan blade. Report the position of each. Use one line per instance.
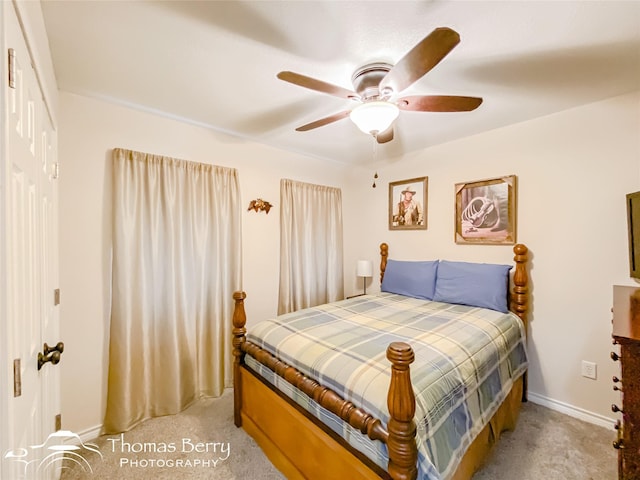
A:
(420, 59)
(324, 121)
(318, 85)
(385, 136)
(438, 103)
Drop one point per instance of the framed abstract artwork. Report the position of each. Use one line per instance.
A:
(485, 211)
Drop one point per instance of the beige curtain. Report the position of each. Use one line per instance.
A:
(310, 245)
(176, 262)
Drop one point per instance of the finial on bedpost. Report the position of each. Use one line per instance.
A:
(403, 452)
(520, 293)
(384, 253)
(239, 331)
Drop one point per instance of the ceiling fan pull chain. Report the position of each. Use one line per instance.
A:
(375, 154)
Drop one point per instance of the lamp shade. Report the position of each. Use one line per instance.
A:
(374, 117)
(364, 268)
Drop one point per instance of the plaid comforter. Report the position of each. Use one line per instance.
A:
(466, 362)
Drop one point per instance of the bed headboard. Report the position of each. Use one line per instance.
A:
(518, 300)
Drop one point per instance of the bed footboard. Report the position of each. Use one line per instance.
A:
(403, 452)
(239, 339)
(400, 436)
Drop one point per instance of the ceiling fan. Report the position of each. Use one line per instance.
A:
(377, 84)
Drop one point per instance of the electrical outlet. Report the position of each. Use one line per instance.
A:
(589, 369)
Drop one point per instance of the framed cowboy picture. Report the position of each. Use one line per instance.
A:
(408, 204)
(486, 211)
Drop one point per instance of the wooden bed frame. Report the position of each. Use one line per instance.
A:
(301, 447)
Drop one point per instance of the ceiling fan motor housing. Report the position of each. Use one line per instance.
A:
(367, 79)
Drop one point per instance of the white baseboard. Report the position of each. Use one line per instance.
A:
(571, 410)
(90, 433)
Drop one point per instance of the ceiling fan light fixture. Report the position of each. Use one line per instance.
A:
(374, 117)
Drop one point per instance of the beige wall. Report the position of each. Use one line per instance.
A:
(573, 170)
(89, 129)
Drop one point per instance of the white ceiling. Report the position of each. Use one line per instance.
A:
(214, 63)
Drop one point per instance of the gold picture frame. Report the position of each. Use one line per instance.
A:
(633, 225)
(486, 211)
(408, 204)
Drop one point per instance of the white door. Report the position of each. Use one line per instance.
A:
(30, 257)
(49, 374)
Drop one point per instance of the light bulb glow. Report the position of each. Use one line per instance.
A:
(374, 117)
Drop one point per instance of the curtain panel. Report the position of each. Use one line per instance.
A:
(311, 262)
(175, 265)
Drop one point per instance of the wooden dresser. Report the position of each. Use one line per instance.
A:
(626, 333)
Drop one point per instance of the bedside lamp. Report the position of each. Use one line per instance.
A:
(364, 269)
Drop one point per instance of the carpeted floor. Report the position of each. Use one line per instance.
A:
(203, 443)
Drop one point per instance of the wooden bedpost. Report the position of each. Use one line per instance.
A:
(403, 451)
(384, 253)
(239, 331)
(520, 292)
(520, 296)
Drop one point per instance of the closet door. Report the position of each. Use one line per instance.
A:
(30, 256)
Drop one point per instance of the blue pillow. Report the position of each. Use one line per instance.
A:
(413, 279)
(475, 284)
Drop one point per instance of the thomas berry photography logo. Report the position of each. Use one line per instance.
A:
(186, 453)
(58, 447)
(65, 450)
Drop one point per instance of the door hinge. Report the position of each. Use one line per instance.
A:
(56, 297)
(55, 173)
(12, 68)
(17, 378)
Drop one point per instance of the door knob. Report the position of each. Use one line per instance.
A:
(50, 354)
